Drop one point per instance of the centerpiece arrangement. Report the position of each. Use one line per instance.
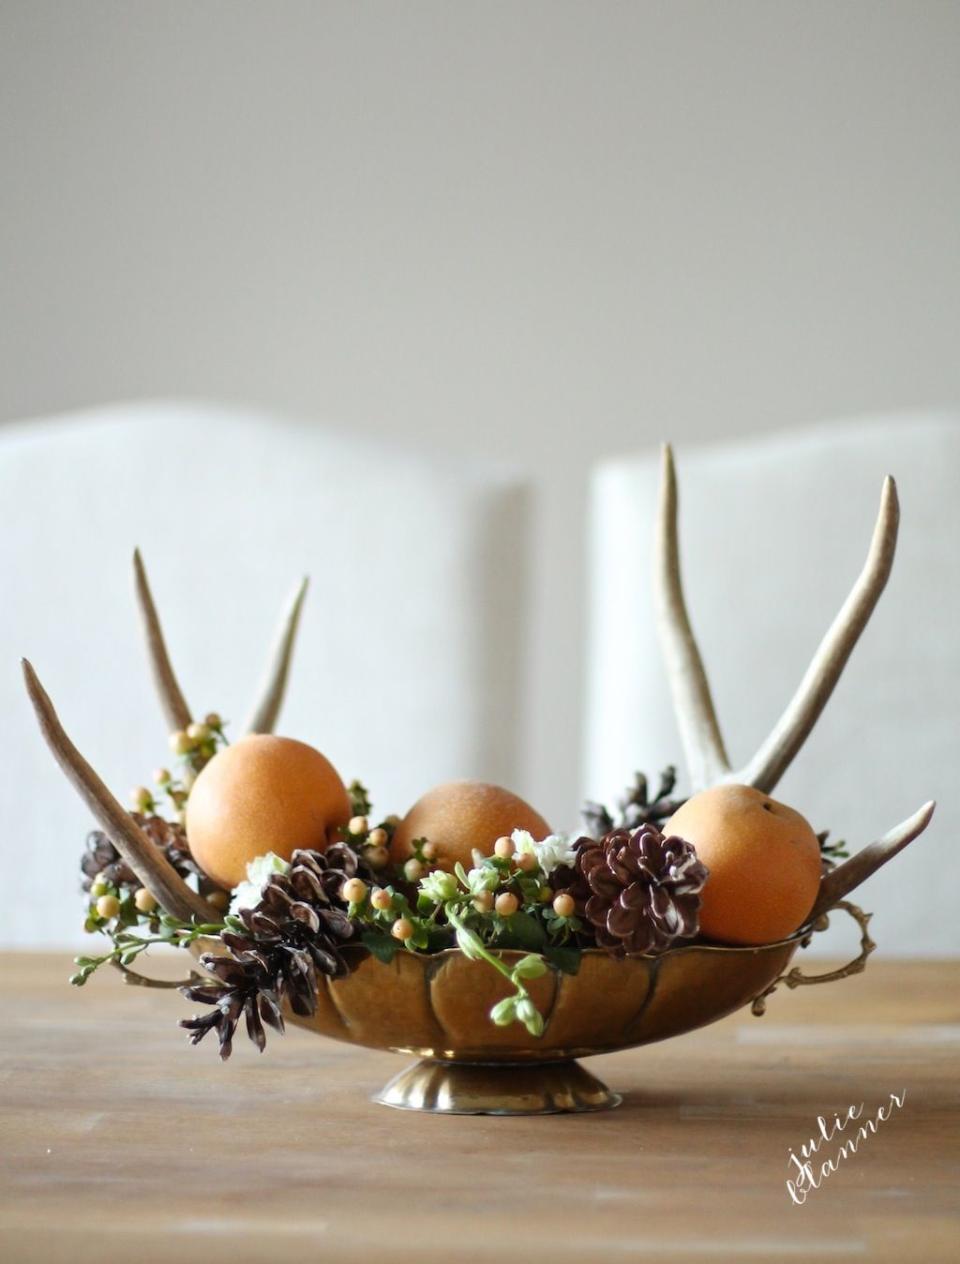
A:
(467, 931)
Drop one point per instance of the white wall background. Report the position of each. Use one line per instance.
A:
(541, 231)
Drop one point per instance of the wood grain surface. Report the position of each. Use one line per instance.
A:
(120, 1142)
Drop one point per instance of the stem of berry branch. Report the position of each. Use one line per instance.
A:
(520, 1006)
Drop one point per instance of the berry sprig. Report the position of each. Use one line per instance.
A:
(132, 925)
(389, 921)
(371, 842)
(113, 907)
(194, 746)
(198, 742)
(504, 901)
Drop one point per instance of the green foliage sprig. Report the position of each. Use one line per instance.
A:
(493, 906)
(830, 853)
(129, 942)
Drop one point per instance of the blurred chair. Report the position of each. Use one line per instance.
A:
(407, 666)
(773, 532)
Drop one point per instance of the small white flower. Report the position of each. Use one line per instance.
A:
(259, 871)
(483, 878)
(439, 886)
(552, 852)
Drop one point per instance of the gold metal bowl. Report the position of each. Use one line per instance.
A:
(437, 1008)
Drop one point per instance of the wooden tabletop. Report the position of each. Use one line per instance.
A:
(120, 1142)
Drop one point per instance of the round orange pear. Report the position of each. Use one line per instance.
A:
(459, 816)
(764, 862)
(262, 794)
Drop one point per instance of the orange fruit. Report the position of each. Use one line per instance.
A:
(764, 862)
(262, 794)
(459, 816)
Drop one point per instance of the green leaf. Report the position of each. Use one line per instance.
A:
(383, 947)
(129, 913)
(522, 931)
(565, 958)
(531, 967)
(438, 938)
(360, 803)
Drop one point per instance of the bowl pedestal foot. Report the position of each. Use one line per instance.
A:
(497, 1088)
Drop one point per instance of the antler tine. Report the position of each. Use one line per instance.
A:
(147, 862)
(171, 698)
(846, 877)
(699, 731)
(792, 729)
(263, 717)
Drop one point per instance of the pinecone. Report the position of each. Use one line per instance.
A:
(295, 932)
(639, 890)
(634, 807)
(102, 857)
(240, 987)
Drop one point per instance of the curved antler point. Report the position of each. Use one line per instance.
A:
(863, 864)
(693, 705)
(777, 751)
(264, 714)
(172, 701)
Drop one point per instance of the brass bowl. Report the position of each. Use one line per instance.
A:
(437, 1007)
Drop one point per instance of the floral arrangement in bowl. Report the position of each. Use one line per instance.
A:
(467, 931)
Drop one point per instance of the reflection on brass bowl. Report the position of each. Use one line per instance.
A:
(437, 1008)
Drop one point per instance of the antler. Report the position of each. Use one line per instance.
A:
(792, 729)
(845, 878)
(264, 714)
(147, 862)
(699, 731)
(703, 746)
(171, 698)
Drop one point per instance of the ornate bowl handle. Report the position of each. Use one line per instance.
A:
(795, 978)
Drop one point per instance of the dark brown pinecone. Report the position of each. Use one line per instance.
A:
(102, 857)
(293, 934)
(639, 890)
(635, 807)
